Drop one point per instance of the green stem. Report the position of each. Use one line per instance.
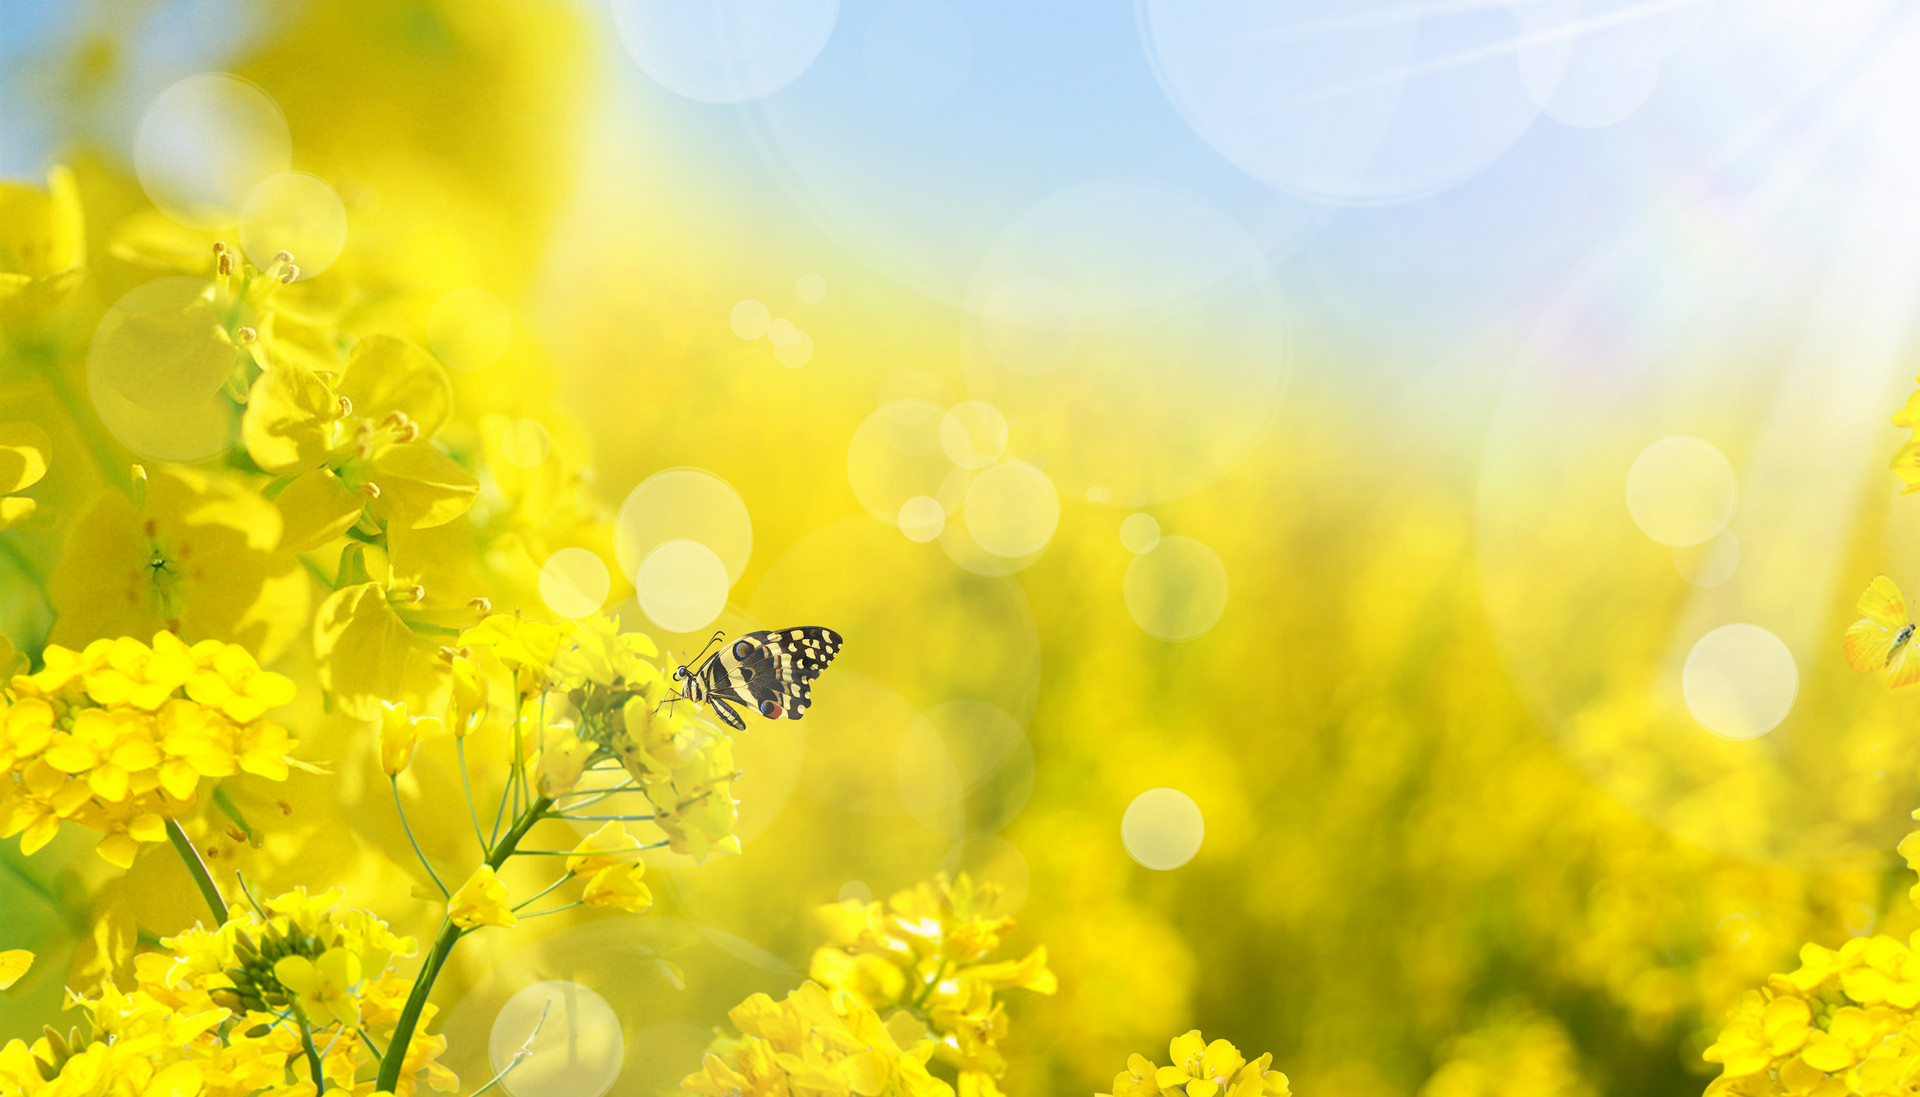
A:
(554, 910)
(313, 1057)
(417, 851)
(541, 894)
(460, 749)
(197, 868)
(443, 942)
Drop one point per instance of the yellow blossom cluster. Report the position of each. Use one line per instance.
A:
(1906, 459)
(1846, 1022)
(1843, 1023)
(1200, 1069)
(119, 735)
(817, 1042)
(590, 695)
(245, 1008)
(925, 955)
(607, 863)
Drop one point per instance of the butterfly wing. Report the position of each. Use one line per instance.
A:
(770, 671)
(800, 655)
(1868, 642)
(1903, 667)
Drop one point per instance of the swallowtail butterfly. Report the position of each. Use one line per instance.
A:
(770, 672)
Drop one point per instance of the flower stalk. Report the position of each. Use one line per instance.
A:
(443, 943)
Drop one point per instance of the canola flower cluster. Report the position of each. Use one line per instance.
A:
(1845, 1023)
(246, 1008)
(252, 464)
(899, 1002)
(817, 1042)
(119, 736)
(923, 958)
(345, 468)
(1200, 1069)
(592, 698)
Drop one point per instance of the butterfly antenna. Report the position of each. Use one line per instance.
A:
(710, 642)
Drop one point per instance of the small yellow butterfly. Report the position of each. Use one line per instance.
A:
(1884, 637)
(13, 964)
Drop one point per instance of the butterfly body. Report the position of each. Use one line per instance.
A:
(1883, 637)
(769, 671)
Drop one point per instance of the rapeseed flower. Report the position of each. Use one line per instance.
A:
(815, 1042)
(193, 552)
(1200, 1069)
(355, 449)
(368, 654)
(608, 863)
(1843, 1021)
(928, 950)
(481, 901)
(230, 1012)
(119, 735)
(399, 732)
(43, 246)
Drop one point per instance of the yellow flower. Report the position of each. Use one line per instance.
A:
(333, 966)
(398, 734)
(817, 1043)
(927, 949)
(358, 447)
(111, 737)
(524, 645)
(367, 654)
(1201, 1069)
(600, 654)
(562, 757)
(324, 987)
(43, 244)
(481, 901)
(467, 707)
(198, 558)
(228, 678)
(687, 772)
(13, 964)
(1199, 1066)
(1906, 459)
(24, 450)
(608, 862)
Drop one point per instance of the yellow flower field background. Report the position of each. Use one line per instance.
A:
(379, 434)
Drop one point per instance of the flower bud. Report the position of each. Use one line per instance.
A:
(399, 732)
(468, 706)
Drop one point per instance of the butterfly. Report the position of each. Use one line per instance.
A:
(1884, 637)
(770, 671)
